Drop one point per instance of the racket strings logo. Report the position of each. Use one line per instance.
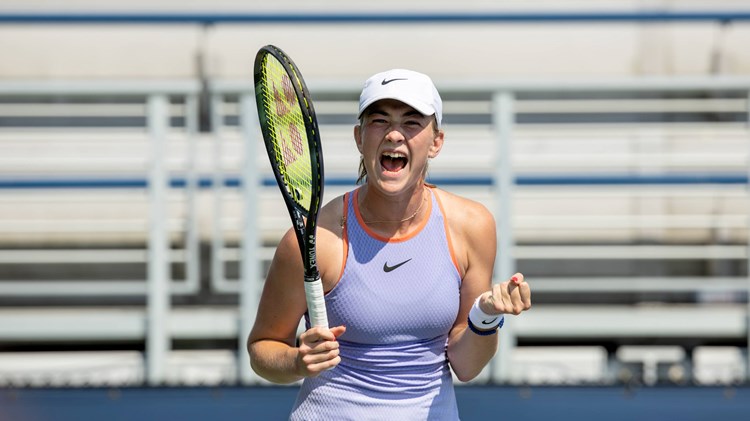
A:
(289, 139)
(285, 101)
(290, 155)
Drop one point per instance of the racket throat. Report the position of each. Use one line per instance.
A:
(312, 277)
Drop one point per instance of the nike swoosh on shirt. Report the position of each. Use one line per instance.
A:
(387, 81)
(387, 268)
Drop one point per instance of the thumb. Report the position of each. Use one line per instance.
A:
(338, 330)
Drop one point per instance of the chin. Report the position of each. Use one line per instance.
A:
(394, 185)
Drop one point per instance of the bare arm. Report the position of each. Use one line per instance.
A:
(274, 354)
(468, 352)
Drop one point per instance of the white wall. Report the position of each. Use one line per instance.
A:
(443, 50)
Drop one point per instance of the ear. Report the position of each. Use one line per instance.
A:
(358, 137)
(437, 144)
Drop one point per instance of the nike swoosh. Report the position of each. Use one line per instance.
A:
(387, 268)
(387, 81)
(484, 322)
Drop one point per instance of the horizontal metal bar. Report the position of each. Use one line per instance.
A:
(80, 88)
(659, 105)
(478, 180)
(619, 252)
(561, 162)
(623, 221)
(375, 17)
(71, 109)
(112, 323)
(323, 107)
(351, 87)
(88, 288)
(483, 87)
(73, 256)
(615, 179)
(546, 321)
(581, 285)
(612, 321)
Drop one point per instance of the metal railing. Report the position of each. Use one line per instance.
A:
(504, 112)
(346, 17)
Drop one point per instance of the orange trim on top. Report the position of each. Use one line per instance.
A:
(382, 238)
(448, 235)
(344, 236)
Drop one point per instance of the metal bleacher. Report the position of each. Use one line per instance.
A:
(623, 199)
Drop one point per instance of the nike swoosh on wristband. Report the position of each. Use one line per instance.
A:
(387, 81)
(484, 322)
(387, 268)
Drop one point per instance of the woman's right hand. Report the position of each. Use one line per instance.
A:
(318, 350)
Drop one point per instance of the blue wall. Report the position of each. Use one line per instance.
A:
(475, 403)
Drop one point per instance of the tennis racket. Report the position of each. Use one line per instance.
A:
(290, 132)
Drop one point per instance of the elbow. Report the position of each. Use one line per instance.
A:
(467, 364)
(269, 364)
(462, 371)
(466, 375)
(255, 360)
(253, 357)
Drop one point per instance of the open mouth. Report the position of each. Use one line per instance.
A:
(393, 161)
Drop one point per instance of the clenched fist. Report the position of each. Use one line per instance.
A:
(510, 297)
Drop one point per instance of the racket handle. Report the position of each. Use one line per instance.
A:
(316, 304)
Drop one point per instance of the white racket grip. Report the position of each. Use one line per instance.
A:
(316, 304)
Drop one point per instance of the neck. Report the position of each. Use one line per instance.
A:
(398, 214)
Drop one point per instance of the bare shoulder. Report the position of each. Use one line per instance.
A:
(466, 216)
(330, 241)
(330, 216)
(472, 232)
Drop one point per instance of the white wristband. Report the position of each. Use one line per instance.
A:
(482, 320)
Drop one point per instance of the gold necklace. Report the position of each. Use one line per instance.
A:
(412, 216)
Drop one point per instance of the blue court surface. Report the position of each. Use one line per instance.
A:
(610, 403)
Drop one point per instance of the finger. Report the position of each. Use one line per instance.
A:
(316, 368)
(338, 331)
(499, 292)
(311, 342)
(517, 279)
(325, 341)
(517, 303)
(321, 353)
(318, 334)
(324, 347)
(507, 296)
(525, 291)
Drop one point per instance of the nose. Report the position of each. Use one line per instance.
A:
(395, 136)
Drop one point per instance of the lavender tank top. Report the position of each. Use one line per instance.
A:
(398, 298)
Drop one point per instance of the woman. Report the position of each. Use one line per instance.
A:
(407, 269)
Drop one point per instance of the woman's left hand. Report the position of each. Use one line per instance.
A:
(510, 297)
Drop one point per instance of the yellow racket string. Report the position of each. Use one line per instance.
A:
(287, 130)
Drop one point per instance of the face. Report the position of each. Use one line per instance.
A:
(396, 142)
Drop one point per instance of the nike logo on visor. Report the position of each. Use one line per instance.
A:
(387, 81)
(387, 268)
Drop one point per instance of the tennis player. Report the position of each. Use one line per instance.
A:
(407, 269)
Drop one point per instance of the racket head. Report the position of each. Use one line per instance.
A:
(290, 130)
(292, 139)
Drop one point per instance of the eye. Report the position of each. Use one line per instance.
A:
(376, 119)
